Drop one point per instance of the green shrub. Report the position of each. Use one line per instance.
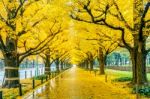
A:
(54, 71)
(123, 79)
(95, 70)
(143, 91)
(13, 96)
(40, 77)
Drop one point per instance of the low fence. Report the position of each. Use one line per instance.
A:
(27, 85)
(125, 68)
(24, 87)
(24, 73)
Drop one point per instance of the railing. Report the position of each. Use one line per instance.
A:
(26, 85)
(125, 68)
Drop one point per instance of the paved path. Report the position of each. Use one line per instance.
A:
(80, 84)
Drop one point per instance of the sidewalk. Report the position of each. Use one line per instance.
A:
(80, 84)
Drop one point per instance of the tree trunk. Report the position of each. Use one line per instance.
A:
(11, 73)
(82, 64)
(47, 62)
(139, 41)
(141, 68)
(57, 65)
(11, 65)
(134, 72)
(86, 65)
(144, 66)
(90, 61)
(102, 65)
(62, 66)
(91, 64)
(47, 65)
(138, 58)
(101, 62)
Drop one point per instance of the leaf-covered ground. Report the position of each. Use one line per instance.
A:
(13, 93)
(77, 83)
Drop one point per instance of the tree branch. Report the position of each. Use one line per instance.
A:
(142, 25)
(2, 45)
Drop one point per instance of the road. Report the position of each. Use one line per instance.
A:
(77, 83)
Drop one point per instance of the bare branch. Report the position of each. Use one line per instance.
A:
(102, 21)
(142, 25)
(2, 45)
(19, 7)
(121, 17)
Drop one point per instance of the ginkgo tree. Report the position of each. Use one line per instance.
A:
(104, 50)
(21, 24)
(59, 15)
(86, 49)
(104, 46)
(60, 54)
(65, 53)
(104, 42)
(130, 19)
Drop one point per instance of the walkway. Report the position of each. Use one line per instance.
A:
(80, 84)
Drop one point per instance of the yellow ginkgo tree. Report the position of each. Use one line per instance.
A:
(129, 19)
(22, 23)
